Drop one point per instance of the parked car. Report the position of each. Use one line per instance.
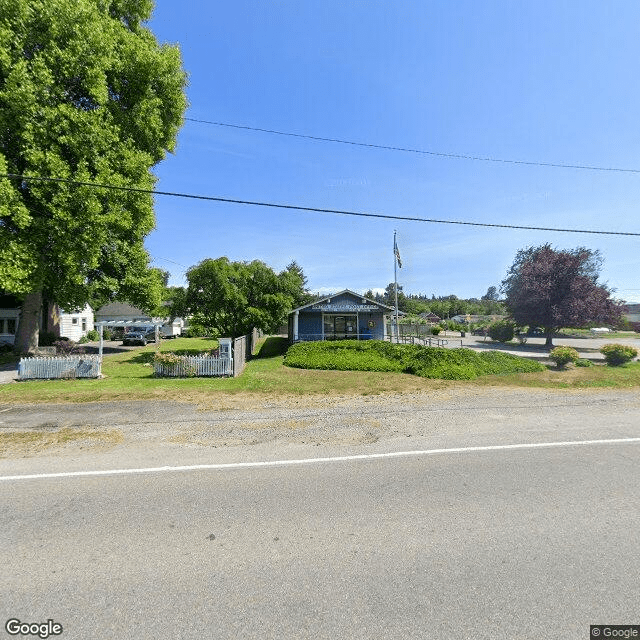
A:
(600, 330)
(134, 337)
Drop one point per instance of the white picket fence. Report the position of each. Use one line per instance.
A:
(194, 366)
(59, 367)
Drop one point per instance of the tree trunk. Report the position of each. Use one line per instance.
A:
(549, 335)
(29, 325)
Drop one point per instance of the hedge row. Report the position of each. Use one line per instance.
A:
(426, 362)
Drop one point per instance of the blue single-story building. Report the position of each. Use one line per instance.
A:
(342, 316)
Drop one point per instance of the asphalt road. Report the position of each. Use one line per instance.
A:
(496, 543)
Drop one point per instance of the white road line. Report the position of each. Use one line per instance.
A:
(287, 463)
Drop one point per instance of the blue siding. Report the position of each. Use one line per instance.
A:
(310, 325)
(310, 321)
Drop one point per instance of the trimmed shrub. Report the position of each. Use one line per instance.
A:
(502, 331)
(583, 362)
(426, 362)
(93, 335)
(562, 356)
(618, 354)
(435, 331)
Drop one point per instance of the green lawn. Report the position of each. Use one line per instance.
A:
(129, 376)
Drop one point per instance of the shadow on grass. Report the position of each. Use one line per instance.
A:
(273, 346)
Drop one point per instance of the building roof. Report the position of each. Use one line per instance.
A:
(430, 316)
(121, 309)
(348, 292)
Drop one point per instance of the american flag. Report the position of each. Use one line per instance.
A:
(396, 252)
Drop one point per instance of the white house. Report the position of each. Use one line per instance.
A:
(73, 325)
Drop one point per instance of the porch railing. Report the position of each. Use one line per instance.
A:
(431, 341)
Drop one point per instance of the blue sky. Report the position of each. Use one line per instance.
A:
(545, 81)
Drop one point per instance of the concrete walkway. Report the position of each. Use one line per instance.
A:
(8, 373)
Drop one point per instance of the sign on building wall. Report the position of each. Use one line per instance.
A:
(345, 307)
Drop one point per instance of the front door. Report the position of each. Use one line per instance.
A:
(340, 327)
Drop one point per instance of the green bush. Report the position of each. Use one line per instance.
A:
(563, 356)
(426, 362)
(618, 354)
(583, 362)
(93, 335)
(502, 331)
(197, 330)
(435, 331)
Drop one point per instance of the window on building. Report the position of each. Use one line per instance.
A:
(340, 327)
(8, 325)
(84, 324)
(74, 320)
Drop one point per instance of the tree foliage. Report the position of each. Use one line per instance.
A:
(234, 297)
(553, 289)
(502, 331)
(298, 281)
(492, 294)
(86, 95)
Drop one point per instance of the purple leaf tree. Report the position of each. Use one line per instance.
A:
(552, 289)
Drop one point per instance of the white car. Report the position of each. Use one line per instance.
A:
(600, 330)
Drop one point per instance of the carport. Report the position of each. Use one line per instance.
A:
(125, 324)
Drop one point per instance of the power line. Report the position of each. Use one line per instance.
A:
(440, 154)
(172, 261)
(276, 205)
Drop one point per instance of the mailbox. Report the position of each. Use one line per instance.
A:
(224, 344)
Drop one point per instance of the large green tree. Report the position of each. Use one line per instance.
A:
(552, 288)
(234, 297)
(86, 95)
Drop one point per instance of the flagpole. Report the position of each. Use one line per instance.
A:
(395, 277)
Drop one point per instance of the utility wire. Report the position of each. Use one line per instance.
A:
(276, 205)
(419, 151)
(172, 261)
